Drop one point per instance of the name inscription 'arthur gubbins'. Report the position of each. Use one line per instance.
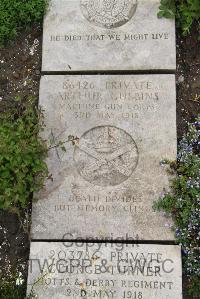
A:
(106, 156)
(108, 13)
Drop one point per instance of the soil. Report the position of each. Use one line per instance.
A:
(187, 79)
(20, 67)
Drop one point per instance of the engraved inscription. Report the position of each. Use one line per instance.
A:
(105, 270)
(108, 13)
(106, 156)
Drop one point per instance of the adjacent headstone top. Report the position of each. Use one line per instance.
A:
(105, 271)
(104, 185)
(101, 35)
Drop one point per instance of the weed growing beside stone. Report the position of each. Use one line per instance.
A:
(183, 203)
(22, 166)
(186, 12)
(12, 287)
(19, 14)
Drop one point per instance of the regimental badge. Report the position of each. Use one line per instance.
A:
(108, 13)
(106, 156)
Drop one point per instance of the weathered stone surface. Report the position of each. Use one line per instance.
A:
(105, 185)
(87, 35)
(105, 271)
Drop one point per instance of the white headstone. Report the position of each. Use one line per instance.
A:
(101, 35)
(104, 186)
(105, 271)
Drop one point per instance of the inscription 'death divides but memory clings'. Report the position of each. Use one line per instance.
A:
(115, 130)
(113, 171)
(101, 35)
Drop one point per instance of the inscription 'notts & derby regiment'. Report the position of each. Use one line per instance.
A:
(104, 185)
(105, 271)
(107, 35)
(116, 130)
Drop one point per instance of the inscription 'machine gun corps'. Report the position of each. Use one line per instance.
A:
(108, 13)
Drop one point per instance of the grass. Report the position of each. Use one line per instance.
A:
(17, 15)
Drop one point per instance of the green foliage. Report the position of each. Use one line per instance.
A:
(185, 11)
(13, 286)
(167, 9)
(9, 289)
(183, 203)
(22, 154)
(18, 14)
